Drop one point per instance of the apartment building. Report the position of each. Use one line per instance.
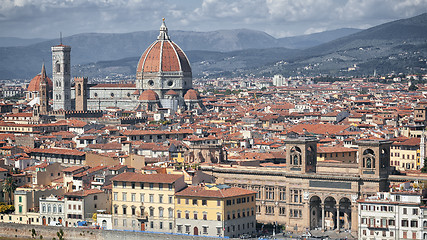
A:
(81, 205)
(397, 214)
(215, 210)
(145, 201)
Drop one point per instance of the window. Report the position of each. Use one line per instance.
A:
(282, 211)
(194, 201)
(205, 216)
(133, 197)
(187, 201)
(151, 212)
(405, 211)
(124, 196)
(152, 224)
(269, 210)
(195, 215)
(170, 199)
(187, 215)
(124, 184)
(414, 223)
(205, 230)
(218, 230)
(116, 209)
(151, 198)
(282, 194)
(124, 210)
(142, 197)
(133, 185)
(170, 213)
(269, 192)
(161, 198)
(404, 223)
(160, 212)
(170, 187)
(414, 211)
(178, 214)
(296, 196)
(187, 228)
(391, 222)
(160, 186)
(151, 185)
(218, 203)
(218, 216)
(116, 222)
(204, 202)
(142, 185)
(170, 226)
(179, 228)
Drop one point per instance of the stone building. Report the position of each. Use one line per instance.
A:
(163, 80)
(310, 195)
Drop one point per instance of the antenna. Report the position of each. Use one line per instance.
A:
(60, 38)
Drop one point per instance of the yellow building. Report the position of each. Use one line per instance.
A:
(342, 154)
(405, 155)
(215, 210)
(145, 201)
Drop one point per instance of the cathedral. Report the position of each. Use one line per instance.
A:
(163, 82)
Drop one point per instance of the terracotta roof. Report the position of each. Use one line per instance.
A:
(72, 168)
(148, 95)
(34, 85)
(151, 178)
(191, 95)
(202, 191)
(62, 151)
(83, 193)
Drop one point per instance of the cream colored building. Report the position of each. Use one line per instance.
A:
(405, 155)
(145, 201)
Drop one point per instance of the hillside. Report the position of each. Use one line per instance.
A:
(95, 47)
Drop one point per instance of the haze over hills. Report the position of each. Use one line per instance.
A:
(94, 47)
(399, 46)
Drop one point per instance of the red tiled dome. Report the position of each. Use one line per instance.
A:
(191, 95)
(34, 85)
(171, 92)
(149, 95)
(163, 56)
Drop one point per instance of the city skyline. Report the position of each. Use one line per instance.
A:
(46, 18)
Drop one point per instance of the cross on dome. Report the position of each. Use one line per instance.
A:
(163, 31)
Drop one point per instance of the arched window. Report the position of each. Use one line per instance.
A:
(44, 208)
(48, 208)
(54, 209)
(58, 67)
(79, 89)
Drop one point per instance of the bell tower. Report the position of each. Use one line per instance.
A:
(61, 76)
(301, 154)
(374, 164)
(44, 93)
(81, 93)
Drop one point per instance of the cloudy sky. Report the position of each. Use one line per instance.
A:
(280, 18)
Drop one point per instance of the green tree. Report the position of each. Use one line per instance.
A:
(9, 186)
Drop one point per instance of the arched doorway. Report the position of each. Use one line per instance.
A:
(315, 212)
(104, 224)
(330, 213)
(345, 213)
(60, 220)
(196, 231)
(44, 220)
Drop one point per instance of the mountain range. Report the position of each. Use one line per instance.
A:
(395, 46)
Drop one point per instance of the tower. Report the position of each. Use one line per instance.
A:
(61, 76)
(44, 93)
(81, 93)
(374, 164)
(301, 154)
